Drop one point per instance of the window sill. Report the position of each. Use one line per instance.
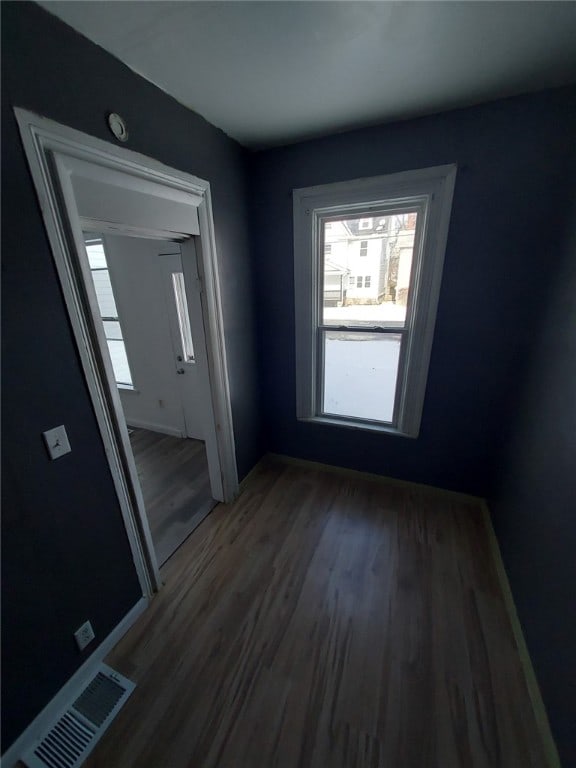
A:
(128, 388)
(367, 426)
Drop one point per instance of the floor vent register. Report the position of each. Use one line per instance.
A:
(78, 729)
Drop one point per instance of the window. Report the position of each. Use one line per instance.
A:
(108, 311)
(352, 281)
(183, 316)
(328, 249)
(363, 362)
(363, 247)
(365, 224)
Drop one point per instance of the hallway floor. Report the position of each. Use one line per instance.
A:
(326, 620)
(173, 473)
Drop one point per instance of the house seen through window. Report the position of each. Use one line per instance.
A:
(108, 311)
(361, 363)
(365, 316)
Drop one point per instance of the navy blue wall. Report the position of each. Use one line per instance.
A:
(509, 200)
(534, 509)
(65, 551)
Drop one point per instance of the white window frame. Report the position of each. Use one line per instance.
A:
(183, 326)
(428, 190)
(365, 224)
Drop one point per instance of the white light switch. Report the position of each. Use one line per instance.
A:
(57, 442)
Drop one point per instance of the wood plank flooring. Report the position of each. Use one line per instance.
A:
(173, 474)
(326, 621)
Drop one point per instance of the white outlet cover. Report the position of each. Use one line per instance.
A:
(57, 443)
(84, 635)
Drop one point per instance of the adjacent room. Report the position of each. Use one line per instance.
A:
(289, 384)
(143, 307)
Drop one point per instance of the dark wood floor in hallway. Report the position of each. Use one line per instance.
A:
(173, 474)
(327, 621)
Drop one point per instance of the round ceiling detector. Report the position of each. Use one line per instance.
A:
(118, 126)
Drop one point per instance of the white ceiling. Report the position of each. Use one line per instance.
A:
(275, 72)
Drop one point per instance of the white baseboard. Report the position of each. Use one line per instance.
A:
(72, 688)
(540, 714)
(154, 427)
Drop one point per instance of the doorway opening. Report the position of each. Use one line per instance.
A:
(143, 309)
(85, 185)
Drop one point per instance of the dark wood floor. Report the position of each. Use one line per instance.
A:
(173, 474)
(327, 621)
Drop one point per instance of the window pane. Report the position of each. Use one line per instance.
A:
(380, 249)
(183, 316)
(120, 362)
(360, 373)
(112, 330)
(96, 255)
(104, 293)
(107, 307)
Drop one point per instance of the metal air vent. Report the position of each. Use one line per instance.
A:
(77, 730)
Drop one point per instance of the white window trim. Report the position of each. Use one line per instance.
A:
(433, 188)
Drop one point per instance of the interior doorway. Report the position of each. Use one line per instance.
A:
(88, 185)
(143, 309)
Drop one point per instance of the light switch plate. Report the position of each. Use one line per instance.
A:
(57, 442)
(84, 635)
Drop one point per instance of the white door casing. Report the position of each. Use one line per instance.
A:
(58, 156)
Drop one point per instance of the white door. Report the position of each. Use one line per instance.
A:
(182, 337)
(165, 395)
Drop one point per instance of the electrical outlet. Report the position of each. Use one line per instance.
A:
(84, 635)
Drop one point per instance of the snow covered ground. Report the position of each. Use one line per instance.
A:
(366, 314)
(360, 375)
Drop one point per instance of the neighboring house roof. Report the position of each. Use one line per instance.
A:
(335, 269)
